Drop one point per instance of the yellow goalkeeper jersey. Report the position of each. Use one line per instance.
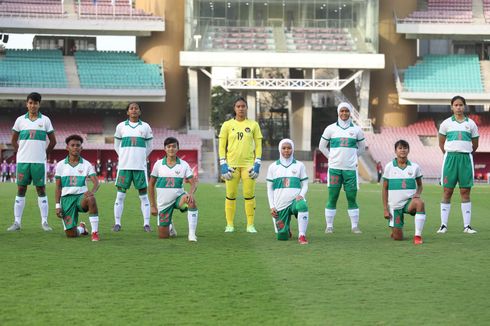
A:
(240, 142)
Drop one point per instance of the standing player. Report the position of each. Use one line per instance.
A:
(4, 168)
(287, 184)
(72, 195)
(12, 169)
(29, 141)
(133, 144)
(458, 139)
(346, 142)
(402, 186)
(168, 176)
(240, 152)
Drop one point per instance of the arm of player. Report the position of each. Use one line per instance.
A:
(442, 141)
(474, 142)
(384, 193)
(361, 147)
(52, 142)
(117, 145)
(95, 185)
(255, 170)
(270, 197)
(57, 197)
(323, 147)
(15, 141)
(149, 146)
(304, 189)
(419, 188)
(151, 195)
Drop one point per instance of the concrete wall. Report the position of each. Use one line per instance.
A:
(384, 107)
(166, 46)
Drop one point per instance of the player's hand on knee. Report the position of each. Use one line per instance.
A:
(153, 211)
(254, 171)
(226, 171)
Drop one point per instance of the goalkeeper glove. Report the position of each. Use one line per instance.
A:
(226, 171)
(254, 172)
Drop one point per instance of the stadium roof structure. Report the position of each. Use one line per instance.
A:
(74, 26)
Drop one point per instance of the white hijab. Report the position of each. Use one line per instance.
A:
(286, 161)
(346, 123)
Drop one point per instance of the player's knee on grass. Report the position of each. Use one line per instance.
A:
(71, 233)
(163, 232)
(301, 206)
(397, 234)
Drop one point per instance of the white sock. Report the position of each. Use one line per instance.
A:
(192, 216)
(274, 223)
(329, 216)
(145, 209)
(419, 223)
(445, 210)
(302, 223)
(119, 207)
(354, 217)
(80, 230)
(42, 202)
(94, 223)
(19, 205)
(466, 210)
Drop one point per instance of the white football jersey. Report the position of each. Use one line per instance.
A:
(32, 138)
(402, 183)
(343, 145)
(170, 181)
(459, 135)
(134, 139)
(74, 178)
(286, 182)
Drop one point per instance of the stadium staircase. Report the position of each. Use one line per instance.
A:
(478, 16)
(485, 72)
(280, 39)
(69, 7)
(71, 72)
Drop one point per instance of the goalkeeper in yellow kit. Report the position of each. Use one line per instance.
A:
(240, 152)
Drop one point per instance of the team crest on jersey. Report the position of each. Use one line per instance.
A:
(40, 126)
(467, 127)
(80, 171)
(294, 171)
(177, 172)
(410, 173)
(351, 134)
(247, 129)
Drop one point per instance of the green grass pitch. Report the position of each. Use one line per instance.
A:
(134, 278)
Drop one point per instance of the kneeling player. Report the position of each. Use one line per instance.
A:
(402, 186)
(168, 176)
(287, 184)
(71, 187)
